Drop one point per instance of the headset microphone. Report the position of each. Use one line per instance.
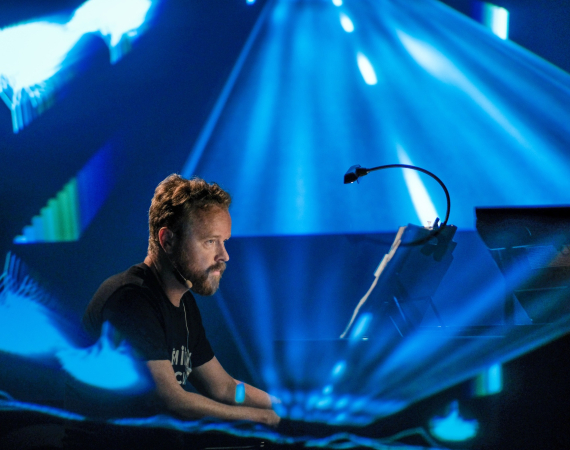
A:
(180, 277)
(187, 282)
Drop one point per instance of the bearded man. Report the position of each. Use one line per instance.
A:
(151, 306)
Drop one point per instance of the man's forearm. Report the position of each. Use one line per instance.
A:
(254, 397)
(222, 406)
(195, 406)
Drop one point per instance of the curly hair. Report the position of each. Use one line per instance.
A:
(175, 199)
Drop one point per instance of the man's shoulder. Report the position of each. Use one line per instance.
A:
(136, 280)
(136, 275)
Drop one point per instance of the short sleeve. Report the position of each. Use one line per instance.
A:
(131, 313)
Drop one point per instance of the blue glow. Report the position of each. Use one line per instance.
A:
(494, 17)
(114, 21)
(423, 205)
(339, 369)
(240, 393)
(386, 373)
(69, 213)
(10, 404)
(346, 23)
(325, 402)
(22, 300)
(250, 2)
(453, 427)
(361, 326)
(328, 407)
(33, 55)
(366, 69)
(105, 366)
(500, 21)
(309, 216)
(205, 134)
(442, 68)
(495, 374)
(490, 381)
(340, 440)
(431, 59)
(337, 2)
(433, 67)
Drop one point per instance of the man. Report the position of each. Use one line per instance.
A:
(150, 305)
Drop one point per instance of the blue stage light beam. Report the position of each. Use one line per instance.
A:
(34, 55)
(343, 440)
(244, 354)
(366, 69)
(308, 99)
(489, 382)
(7, 403)
(493, 16)
(346, 23)
(106, 365)
(28, 328)
(423, 203)
(67, 215)
(375, 372)
(488, 117)
(360, 381)
(453, 428)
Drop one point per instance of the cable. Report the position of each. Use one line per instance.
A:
(356, 171)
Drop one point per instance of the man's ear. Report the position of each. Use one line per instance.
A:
(166, 239)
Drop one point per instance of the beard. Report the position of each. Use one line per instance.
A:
(203, 281)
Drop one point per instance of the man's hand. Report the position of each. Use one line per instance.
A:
(272, 418)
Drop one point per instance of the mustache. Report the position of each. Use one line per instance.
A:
(220, 266)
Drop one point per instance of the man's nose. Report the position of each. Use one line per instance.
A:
(223, 253)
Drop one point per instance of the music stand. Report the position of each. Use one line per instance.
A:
(408, 282)
(530, 248)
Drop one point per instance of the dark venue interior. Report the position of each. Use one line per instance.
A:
(375, 325)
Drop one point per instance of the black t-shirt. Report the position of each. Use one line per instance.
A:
(136, 306)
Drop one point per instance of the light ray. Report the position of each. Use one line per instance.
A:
(453, 427)
(494, 17)
(28, 328)
(355, 381)
(459, 100)
(105, 365)
(366, 69)
(22, 300)
(69, 213)
(423, 205)
(346, 23)
(34, 56)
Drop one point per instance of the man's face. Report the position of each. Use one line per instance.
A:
(201, 254)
